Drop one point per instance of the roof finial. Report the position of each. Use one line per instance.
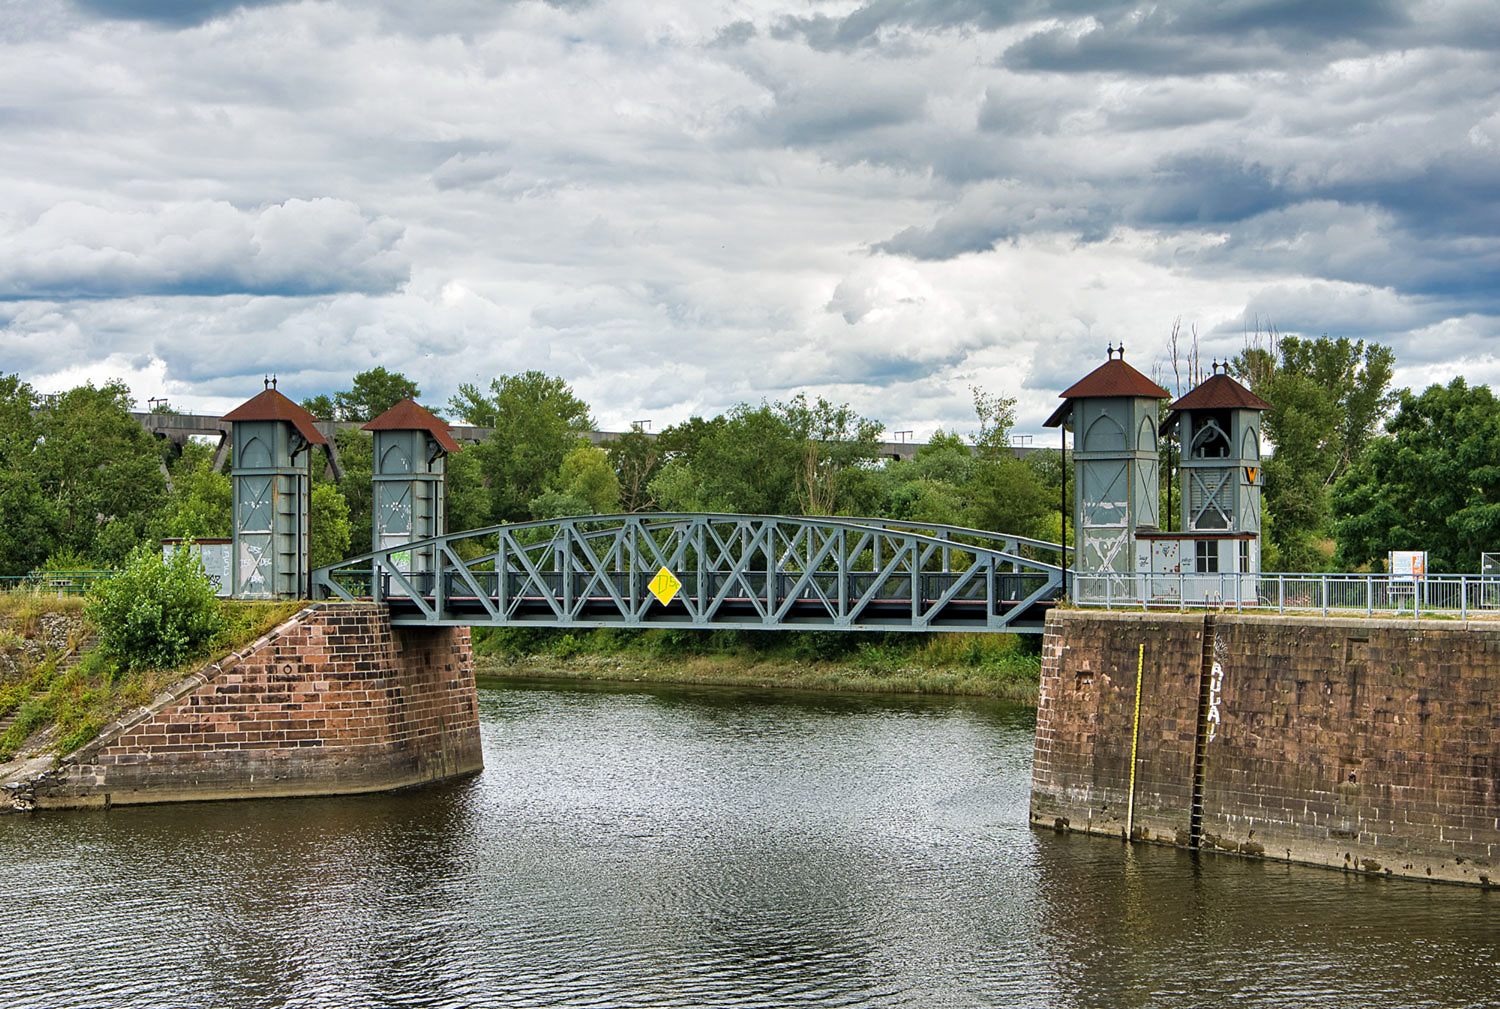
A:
(1122, 350)
(266, 381)
(1110, 350)
(273, 381)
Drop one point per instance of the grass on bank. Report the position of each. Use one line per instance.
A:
(986, 665)
(48, 685)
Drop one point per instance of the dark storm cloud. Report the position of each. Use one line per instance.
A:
(1201, 38)
(175, 13)
(1207, 189)
(1455, 193)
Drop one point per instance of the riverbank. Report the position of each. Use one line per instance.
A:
(57, 689)
(975, 665)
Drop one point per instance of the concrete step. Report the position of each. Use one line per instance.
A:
(64, 664)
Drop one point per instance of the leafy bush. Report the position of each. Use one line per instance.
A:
(156, 613)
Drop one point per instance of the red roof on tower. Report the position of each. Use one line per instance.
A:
(1220, 392)
(272, 405)
(1112, 378)
(408, 416)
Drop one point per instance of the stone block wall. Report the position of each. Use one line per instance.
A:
(334, 701)
(1368, 745)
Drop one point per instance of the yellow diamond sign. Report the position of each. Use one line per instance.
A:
(664, 586)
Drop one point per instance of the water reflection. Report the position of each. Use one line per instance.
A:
(635, 847)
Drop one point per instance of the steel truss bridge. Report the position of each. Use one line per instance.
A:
(711, 571)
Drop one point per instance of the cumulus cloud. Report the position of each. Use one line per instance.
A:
(175, 13)
(680, 206)
(295, 248)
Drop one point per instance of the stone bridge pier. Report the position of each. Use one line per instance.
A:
(334, 701)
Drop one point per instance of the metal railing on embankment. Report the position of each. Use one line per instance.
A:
(61, 583)
(1462, 596)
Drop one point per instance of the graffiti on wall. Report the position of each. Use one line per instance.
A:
(1216, 687)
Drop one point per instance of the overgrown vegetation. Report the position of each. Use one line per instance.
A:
(47, 684)
(995, 665)
(157, 612)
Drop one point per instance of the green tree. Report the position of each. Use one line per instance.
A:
(157, 612)
(372, 394)
(997, 415)
(929, 487)
(1433, 484)
(201, 501)
(328, 526)
(1004, 494)
(320, 406)
(677, 488)
(466, 499)
(636, 459)
(102, 472)
(585, 474)
(28, 532)
(837, 449)
(746, 461)
(1327, 400)
(356, 450)
(537, 421)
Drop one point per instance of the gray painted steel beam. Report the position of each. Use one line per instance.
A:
(744, 571)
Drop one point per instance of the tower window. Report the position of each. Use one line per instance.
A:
(1206, 555)
(1210, 437)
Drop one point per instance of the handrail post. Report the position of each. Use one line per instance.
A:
(1325, 595)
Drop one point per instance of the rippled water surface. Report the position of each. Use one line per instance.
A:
(669, 847)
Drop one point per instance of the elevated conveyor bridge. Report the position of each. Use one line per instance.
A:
(710, 571)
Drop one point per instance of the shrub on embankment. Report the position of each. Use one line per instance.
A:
(59, 685)
(994, 665)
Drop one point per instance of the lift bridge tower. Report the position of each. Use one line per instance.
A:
(1113, 414)
(273, 441)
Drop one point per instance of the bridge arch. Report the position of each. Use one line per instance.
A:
(745, 571)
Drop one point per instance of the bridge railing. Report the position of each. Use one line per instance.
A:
(62, 583)
(722, 570)
(1463, 596)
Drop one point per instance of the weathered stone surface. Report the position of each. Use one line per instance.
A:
(1362, 745)
(333, 701)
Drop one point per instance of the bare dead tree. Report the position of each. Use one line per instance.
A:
(1185, 358)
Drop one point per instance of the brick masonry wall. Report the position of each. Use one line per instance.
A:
(1363, 745)
(333, 701)
(1085, 712)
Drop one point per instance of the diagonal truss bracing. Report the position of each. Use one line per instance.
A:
(746, 571)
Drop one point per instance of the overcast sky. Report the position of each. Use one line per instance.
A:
(678, 205)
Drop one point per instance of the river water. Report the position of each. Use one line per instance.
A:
(680, 847)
